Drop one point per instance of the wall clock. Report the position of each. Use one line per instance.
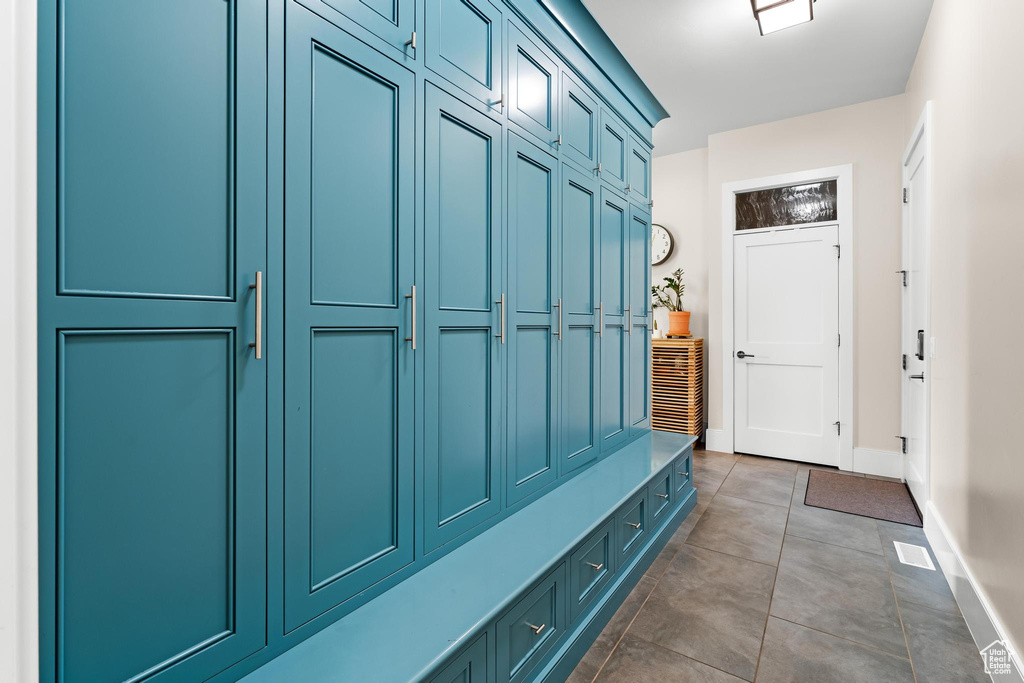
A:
(661, 244)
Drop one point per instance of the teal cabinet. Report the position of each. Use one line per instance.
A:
(591, 568)
(578, 321)
(473, 665)
(532, 88)
(349, 266)
(632, 526)
(613, 150)
(152, 414)
(463, 45)
(390, 21)
(639, 321)
(614, 319)
(661, 497)
(464, 319)
(531, 628)
(532, 333)
(580, 120)
(639, 185)
(682, 472)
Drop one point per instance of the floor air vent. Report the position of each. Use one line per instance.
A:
(914, 555)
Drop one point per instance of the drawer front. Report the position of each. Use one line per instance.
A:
(531, 628)
(682, 473)
(661, 496)
(471, 666)
(590, 569)
(632, 525)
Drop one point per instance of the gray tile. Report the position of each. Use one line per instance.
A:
(796, 653)
(710, 607)
(771, 463)
(839, 591)
(743, 528)
(837, 528)
(914, 584)
(763, 484)
(712, 462)
(707, 483)
(638, 661)
(591, 663)
(662, 561)
(941, 646)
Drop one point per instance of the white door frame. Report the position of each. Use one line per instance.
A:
(844, 177)
(922, 135)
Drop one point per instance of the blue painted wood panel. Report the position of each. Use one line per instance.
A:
(639, 320)
(349, 386)
(632, 525)
(639, 171)
(580, 120)
(580, 231)
(532, 88)
(473, 665)
(591, 568)
(614, 246)
(533, 274)
(463, 378)
(463, 44)
(531, 627)
(613, 150)
(389, 21)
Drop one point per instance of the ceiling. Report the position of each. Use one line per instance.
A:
(708, 65)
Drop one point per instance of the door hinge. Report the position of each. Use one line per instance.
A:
(412, 41)
(839, 250)
(839, 429)
(903, 443)
(906, 195)
(904, 361)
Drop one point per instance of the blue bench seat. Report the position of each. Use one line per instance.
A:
(412, 630)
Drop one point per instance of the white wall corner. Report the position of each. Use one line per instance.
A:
(974, 603)
(717, 440)
(878, 463)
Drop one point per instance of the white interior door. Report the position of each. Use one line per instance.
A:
(786, 337)
(916, 335)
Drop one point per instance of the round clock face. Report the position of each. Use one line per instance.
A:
(661, 244)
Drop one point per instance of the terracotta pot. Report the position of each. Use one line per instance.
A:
(679, 323)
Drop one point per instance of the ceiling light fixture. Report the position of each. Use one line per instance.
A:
(775, 15)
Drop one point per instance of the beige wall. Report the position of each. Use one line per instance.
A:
(971, 66)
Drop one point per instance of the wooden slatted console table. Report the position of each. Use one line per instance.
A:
(677, 385)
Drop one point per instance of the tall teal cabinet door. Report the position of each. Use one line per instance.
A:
(349, 239)
(580, 120)
(639, 336)
(614, 319)
(533, 300)
(152, 227)
(580, 358)
(465, 319)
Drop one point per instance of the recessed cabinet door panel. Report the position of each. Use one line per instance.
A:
(463, 44)
(614, 319)
(613, 146)
(640, 333)
(472, 666)
(393, 21)
(348, 245)
(532, 319)
(580, 290)
(532, 88)
(580, 120)
(463, 379)
(639, 172)
(531, 628)
(152, 412)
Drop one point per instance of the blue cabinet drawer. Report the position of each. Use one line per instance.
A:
(631, 524)
(682, 472)
(471, 665)
(531, 628)
(661, 496)
(591, 568)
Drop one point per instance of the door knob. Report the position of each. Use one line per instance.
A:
(741, 354)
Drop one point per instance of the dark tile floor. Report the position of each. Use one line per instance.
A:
(757, 586)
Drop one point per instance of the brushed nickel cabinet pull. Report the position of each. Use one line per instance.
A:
(635, 526)
(629, 320)
(663, 496)
(413, 337)
(258, 286)
(537, 629)
(501, 301)
(559, 332)
(600, 320)
(559, 141)
(685, 474)
(597, 567)
(412, 41)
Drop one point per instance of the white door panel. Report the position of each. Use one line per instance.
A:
(786, 324)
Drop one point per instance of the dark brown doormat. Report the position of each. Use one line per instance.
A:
(888, 500)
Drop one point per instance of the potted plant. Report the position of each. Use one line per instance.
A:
(670, 296)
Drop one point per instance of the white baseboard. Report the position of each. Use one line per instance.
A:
(717, 440)
(974, 603)
(879, 463)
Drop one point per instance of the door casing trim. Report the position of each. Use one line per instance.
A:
(844, 176)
